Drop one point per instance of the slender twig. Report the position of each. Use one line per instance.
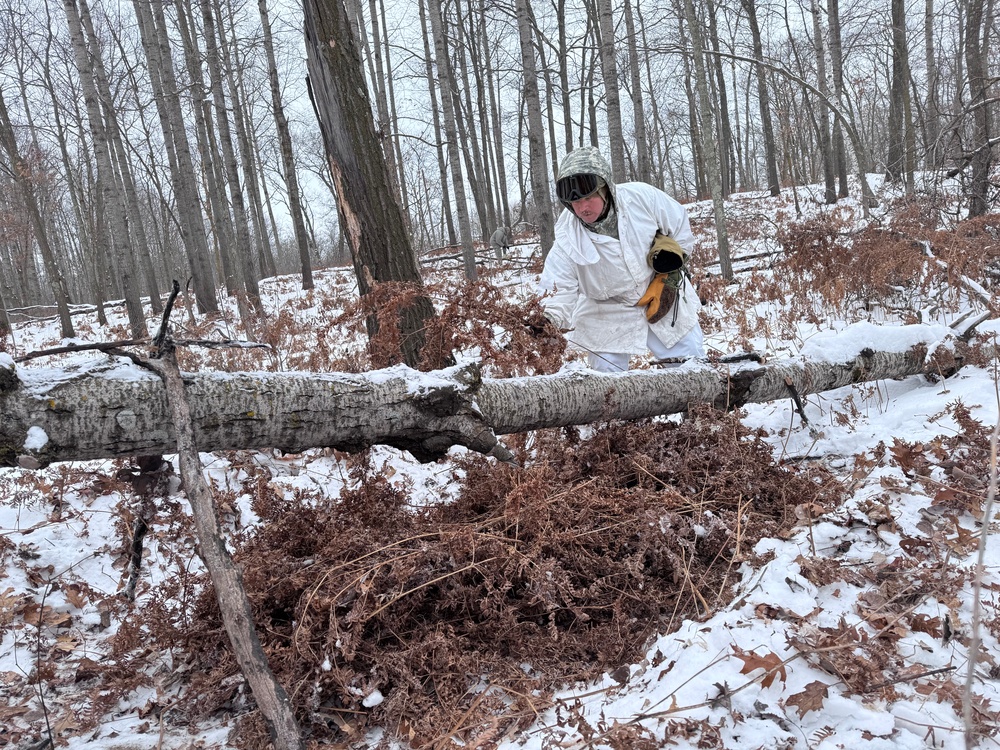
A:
(104, 346)
(39, 684)
(161, 335)
(909, 678)
(798, 401)
(978, 584)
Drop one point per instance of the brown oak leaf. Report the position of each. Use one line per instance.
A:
(772, 664)
(810, 699)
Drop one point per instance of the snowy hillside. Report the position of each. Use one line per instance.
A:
(721, 581)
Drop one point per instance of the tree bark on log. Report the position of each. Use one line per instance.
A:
(114, 409)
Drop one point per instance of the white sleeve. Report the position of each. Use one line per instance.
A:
(561, 288)
(672, 219)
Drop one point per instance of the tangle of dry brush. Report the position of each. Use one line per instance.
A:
(455, 622)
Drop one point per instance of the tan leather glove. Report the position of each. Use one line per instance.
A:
(665, 254)
(661, 294)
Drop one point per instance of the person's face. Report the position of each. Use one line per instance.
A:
(589, 209)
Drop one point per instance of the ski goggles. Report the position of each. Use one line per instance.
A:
(578, 186)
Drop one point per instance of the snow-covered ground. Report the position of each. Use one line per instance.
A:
(884, 583)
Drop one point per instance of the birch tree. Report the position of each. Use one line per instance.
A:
(446, 85)
(152, 29)
(763, 99)
(977, 34)
(900, 157)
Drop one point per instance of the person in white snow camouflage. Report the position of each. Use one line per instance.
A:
(616, 280)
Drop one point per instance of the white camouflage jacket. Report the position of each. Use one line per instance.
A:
(592, 281)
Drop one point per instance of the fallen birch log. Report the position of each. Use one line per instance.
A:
(115, 409)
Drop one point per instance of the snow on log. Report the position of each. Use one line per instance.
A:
(113, 408)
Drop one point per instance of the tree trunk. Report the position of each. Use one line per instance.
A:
(122, 412)
(373, 219)
(980, 146)
(107, 181)
(384, 126)
(447, 90)
(22, 176)
(451, 238)
(182, 174)
(540, 183)
(727, 160)
(242, 250)
(494, 108)
(562, 60)
(609, 69)
(120, 158)
(253, 175)
(764, 101)
(475, 161)
(899, 160)
(708, 142)
(837, 66)
(210, 167)
(822, 118)
(932, 104)
(643, 172)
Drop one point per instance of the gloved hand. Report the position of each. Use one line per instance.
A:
(665, 254)
(661, 294)
(541, 326)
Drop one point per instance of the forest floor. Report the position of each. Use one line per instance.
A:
(763, 579)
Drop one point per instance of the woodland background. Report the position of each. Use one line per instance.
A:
(164, 141)
(150, 141)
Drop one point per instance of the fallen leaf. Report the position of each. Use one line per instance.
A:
(810, 699)
(87, 669)
(35, 615)
(74, 594)
(772, 664)
(933, 626)
(66, 643)
(11, 604)
(9, 712)
(808, 511)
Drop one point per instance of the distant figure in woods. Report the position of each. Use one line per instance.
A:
(616, 276)
(500, 240)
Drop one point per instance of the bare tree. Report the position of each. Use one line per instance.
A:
(899, 160)
(118, 232)
(642, 169)
(22, 174)
(120, 159)
(763, 99)
(242, 252)
(976, 43)
(822, 117)
(152, 27)
(609, 70)
(372, 217)
(251, 155)
(447, 88)
(707, 140)
(932, 101)
(447, 215)
(540, 190)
